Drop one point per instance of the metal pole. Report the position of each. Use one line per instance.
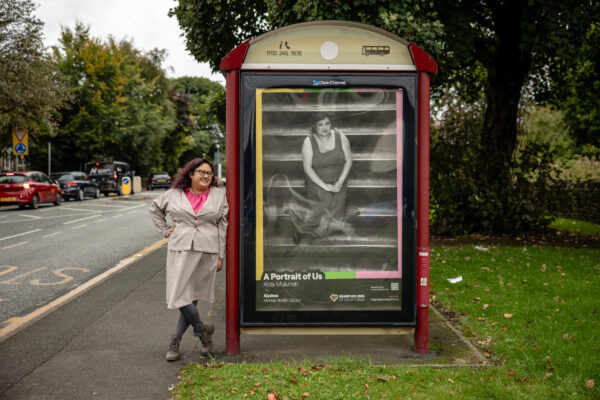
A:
(218, 157)
(49, 158)
(232, 326)
(422, 328)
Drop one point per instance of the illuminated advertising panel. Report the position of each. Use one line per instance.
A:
(325, 205)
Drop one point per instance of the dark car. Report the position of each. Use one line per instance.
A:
(76, 185)
(28, 188)
(159, 180)
(109, 175)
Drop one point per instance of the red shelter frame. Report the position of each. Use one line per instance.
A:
(230, 66)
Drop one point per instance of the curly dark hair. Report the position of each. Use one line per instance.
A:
(319, 117)
(182, 179)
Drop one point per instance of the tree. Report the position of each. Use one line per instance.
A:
(494, 46)
(515, 42)
(120, 109)
(213, 27)
(574, 89)
(204, 107)
(31, 88)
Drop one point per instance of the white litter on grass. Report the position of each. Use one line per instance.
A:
(481, 248)
(455, 280)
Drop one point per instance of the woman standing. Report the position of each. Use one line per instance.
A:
(196, 246)
(326, 159)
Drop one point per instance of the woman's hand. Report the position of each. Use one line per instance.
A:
(171, 229)
(337, 187)
(327, 187)
(219, 264)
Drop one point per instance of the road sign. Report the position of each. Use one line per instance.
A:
(20, 142)
(126, 185)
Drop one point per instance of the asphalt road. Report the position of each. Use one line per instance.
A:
(46, 252)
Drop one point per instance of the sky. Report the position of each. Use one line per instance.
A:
(146, 22)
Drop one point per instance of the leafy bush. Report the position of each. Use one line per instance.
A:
(462, 202)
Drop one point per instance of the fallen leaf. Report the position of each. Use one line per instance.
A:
(548, 375)
(590, 383)
(508, 315)
(485, 306)
(450, 380)
(510, 372)
(304, 395)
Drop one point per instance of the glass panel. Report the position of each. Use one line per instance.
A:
(12, 178)
(328, 191)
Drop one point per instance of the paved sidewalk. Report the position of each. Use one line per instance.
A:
(110, 343)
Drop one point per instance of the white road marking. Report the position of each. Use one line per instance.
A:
(20, 234)
(29, 216)
(118, 215)
(81, 219)
(79, 226)
(100, 220)
(14, 245)
(52, 234)
(131, 208)
(108, 205)
(83, 209)
(50, 217)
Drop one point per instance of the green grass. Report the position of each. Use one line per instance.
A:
(532, 310)
(576, 226)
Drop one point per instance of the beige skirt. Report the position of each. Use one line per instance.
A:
(190, 276)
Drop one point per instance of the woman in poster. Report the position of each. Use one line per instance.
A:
(196, 246)
(326, 160)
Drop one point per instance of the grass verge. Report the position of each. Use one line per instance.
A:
(533, 311)
(576, 226)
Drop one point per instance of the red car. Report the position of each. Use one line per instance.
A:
(28, 188)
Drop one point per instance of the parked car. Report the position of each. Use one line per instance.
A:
(75, 185)
(108, 175)
(28, 188)
(159, 180)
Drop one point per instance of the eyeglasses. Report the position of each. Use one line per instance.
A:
(204, 173)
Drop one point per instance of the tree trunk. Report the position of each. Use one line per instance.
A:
(499, 136)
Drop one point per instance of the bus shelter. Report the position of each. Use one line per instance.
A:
(328, 183)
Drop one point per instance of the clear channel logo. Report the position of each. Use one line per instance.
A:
(330, 82)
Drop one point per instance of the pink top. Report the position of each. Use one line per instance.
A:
(196, 200)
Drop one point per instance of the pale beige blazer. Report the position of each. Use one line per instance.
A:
(205, 231)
